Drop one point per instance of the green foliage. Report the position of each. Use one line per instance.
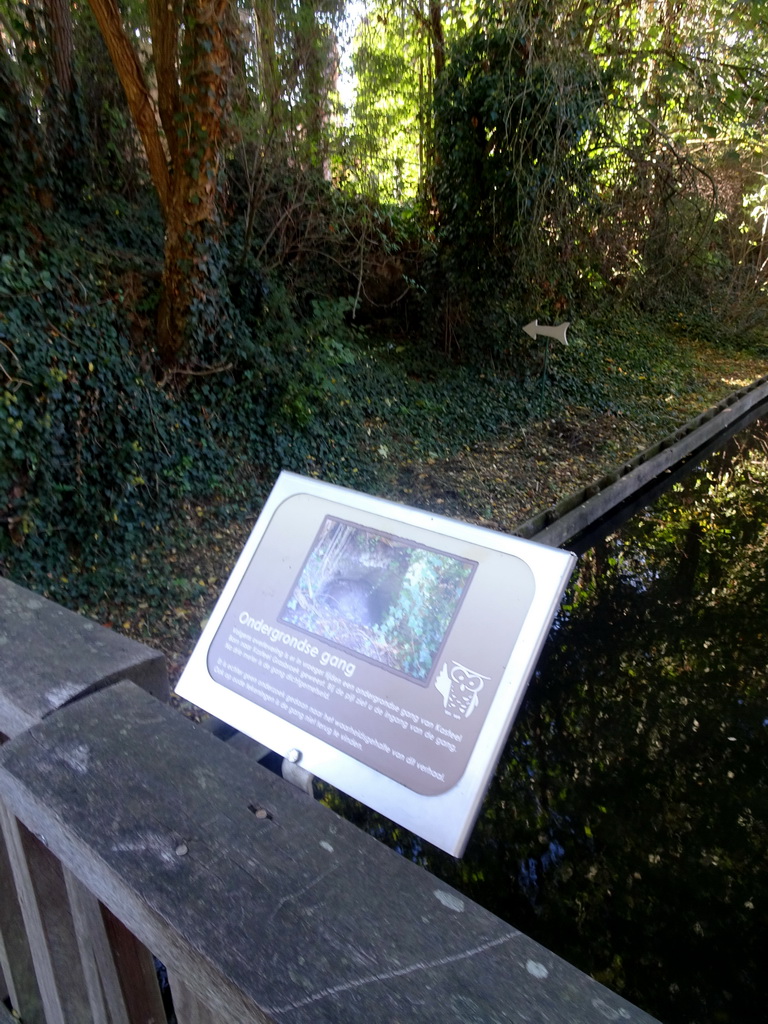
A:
(641, 366)
(284, 97)
(87, 449)
(322, 398)
(683, 136)
(384, 155)
(97, 459)
(510, 169)
(116, 161)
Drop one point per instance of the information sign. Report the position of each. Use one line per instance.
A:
(385, 648)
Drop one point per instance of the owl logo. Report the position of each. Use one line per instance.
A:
(459, 689)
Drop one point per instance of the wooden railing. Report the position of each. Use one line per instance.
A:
(133, 837)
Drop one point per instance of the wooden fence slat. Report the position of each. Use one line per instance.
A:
(104, 991)
(48, 923)
(136, 970)
(16, 963)
(187, 1007)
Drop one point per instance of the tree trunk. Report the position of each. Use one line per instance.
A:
(182, 137)
(137, 94)
(58, 19)
(317, 59)
(268, 68)
(193, 223)
(66, 142)
(164, 21)
(438, 36)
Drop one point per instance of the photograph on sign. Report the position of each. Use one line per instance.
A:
(387, 647)
(378, 596)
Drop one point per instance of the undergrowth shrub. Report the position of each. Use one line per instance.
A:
(92, 453)
(322, 396)
(287, 401)
(97, 457)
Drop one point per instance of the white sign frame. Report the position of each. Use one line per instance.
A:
(237, 649)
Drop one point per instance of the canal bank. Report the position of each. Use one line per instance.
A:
(582, 518)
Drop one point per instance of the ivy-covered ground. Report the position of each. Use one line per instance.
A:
(501, 482)
(498, 481)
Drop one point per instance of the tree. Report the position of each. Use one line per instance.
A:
(194, 44)
(566, 147)
(64, 136)
(513, 109)
(682, 131)
(399, 52)
(39, 87)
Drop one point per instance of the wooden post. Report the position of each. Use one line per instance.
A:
(136, 972)
(120, 976)
(60, 962)
(186, 1005)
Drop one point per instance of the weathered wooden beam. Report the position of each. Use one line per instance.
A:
(292, 916)
(50, 656)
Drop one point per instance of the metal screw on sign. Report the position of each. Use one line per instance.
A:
(558, 332)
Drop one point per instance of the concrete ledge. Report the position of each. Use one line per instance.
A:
(50, 656)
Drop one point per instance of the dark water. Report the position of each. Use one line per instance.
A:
(627, 826)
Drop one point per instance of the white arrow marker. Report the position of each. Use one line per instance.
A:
(534, 329)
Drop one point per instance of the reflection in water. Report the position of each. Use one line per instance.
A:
(627, 825)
